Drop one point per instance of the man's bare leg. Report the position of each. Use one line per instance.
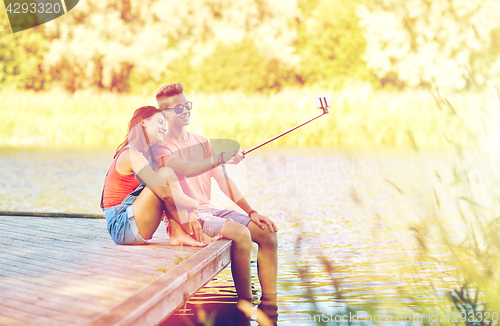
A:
(269, 306)
(240, 256)
(267, 257)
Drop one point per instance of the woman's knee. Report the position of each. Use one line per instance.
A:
(147, 201)
(168, 174)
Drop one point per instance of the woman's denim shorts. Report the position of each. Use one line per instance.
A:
(121, 222)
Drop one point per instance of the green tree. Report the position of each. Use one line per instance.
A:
(106, 44)
(442, 42)
(239, 66)
(21, 57)
(331, 45)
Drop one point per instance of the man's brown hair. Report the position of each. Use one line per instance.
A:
(169, 90)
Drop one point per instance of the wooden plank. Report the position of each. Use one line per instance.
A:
(62, 298)
(43, 264)
(146, 256)
(93, 230)
(47, 233)
(12, 322)
(163, 296)
(73, 295)
(41, 286)
(97, 249)
(84, 262)
(52, 214)
(85, 284)
(88, 284)
(35, 295)
(37, 310)
(61, 266)
(86, 258)
(141, 266)
(136, 256)
(53, 238)
(65, 222)
(29, 318)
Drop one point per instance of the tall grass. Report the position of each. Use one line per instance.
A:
(475, 250)
(359, 117)
(466, 286)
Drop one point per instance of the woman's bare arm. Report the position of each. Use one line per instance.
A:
(132, 161)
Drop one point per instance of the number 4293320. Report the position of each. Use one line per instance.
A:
(33, 8)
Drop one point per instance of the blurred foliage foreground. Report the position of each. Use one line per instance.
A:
(359, 117)
(466, 286)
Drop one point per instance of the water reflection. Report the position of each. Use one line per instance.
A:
(224, 308)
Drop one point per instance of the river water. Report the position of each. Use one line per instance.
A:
(352, 210)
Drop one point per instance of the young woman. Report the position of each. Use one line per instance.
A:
(135, 197)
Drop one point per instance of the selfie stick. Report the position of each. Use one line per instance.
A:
(322, 102)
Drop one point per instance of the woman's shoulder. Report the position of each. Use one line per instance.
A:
(124, 162)
(128, 148)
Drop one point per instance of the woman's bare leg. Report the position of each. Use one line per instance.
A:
(171, 179)
(178, 214)
(208, 239)
(148, 210)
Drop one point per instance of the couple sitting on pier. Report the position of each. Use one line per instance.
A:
(159, 171)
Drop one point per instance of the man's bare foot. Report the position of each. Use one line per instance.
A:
(208, 240)
(180, 238)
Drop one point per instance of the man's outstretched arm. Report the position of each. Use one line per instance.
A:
(192, 168)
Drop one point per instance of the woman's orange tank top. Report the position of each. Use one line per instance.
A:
(117, 186)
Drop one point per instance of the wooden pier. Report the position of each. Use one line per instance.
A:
(68, 271)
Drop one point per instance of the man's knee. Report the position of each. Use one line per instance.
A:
(272, 239)
(238, 233)
(265, 237)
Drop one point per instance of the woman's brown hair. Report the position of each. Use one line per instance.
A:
(136, 135)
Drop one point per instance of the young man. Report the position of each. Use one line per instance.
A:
(193, 160)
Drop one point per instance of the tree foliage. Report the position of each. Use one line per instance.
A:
(255, 45)
(107, 42)
(21, 57)
(331, 43)
(447, 43)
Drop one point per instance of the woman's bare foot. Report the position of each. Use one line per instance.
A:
(179, 238)
(208, 240)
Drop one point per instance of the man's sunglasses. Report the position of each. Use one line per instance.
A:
(179, 108)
